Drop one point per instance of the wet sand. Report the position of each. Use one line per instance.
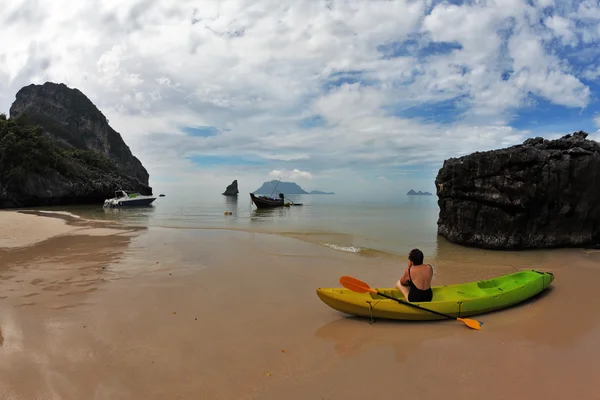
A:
(20, 230)
(192, 314)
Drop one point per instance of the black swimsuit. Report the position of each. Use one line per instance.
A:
(417, 295)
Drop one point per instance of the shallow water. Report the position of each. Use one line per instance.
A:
(370, 228)
(344, 224)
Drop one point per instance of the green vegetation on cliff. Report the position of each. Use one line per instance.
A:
(25, 150)
(37, 170)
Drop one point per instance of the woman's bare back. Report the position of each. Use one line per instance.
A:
(421, 276)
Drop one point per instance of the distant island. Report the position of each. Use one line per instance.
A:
(419, 193)
(285, 188)
(319, 192)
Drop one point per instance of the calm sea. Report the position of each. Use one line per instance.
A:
(369, 227)
(348, 225)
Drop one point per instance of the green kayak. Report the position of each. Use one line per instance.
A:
(461, 300)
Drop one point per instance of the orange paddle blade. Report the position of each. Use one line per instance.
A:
(471, 323)
(355, 285)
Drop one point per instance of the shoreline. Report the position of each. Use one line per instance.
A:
(367, 244)
(73, 224)
(62, 223)
(53, 224)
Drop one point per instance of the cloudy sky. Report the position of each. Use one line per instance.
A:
(341, 95)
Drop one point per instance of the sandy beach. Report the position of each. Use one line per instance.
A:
(92, 310)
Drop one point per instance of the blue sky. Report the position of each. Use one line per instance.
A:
(348, 96)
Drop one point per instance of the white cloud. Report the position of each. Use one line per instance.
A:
(592, 73)
(304, 85)
(293, 174)
(597, 120)
(562, 28)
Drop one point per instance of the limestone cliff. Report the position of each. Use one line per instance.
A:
(540, 194)
(57, 149)
(66, 115)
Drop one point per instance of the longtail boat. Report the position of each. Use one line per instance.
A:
(267, 202)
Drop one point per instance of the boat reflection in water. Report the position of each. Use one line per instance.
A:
(268, 214)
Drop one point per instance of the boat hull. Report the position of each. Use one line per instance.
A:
(136, 202)
(264, 203)
(460, 300)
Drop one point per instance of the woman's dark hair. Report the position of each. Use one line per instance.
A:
(416, 256)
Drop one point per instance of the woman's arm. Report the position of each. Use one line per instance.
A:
(405, 278)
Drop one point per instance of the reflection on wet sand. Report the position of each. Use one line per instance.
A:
(234, 315)
(353, 335)
(454, 263)
(65, 265)
(184, 329)
(452, 253)
(50, 288)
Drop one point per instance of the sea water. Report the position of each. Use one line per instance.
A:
(368, 227)
(389, 226)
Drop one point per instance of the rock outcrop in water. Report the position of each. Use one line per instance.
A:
(57, 149)
(541, 194)
(231, 190)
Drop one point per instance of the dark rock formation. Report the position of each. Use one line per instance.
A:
(541, 194)
(419, 193)
(231, 190)
(57, 149)
(66, 115)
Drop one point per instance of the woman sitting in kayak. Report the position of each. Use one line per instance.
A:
(415, 284)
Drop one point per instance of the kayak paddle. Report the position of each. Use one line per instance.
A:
(361, 287)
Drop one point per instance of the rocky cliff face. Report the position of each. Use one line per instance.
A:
(541, 194)
(57, 149)
(69, 117)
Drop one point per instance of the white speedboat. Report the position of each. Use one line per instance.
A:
(124, 199)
